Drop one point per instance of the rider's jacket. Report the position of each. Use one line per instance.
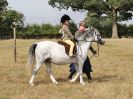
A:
(67, 35)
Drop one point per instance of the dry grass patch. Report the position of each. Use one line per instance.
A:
(112, 74)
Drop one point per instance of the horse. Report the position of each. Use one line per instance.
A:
(48, 52)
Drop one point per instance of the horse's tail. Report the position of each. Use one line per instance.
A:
(31, 58)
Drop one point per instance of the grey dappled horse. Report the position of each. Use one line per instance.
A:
(48, 52)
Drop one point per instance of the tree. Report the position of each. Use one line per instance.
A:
(73, 27)
(39, 31)
(116, 10)
(93, 19)
(9, 17)
(13, 16)
(3, 4)
(130, 30)
(103, 24)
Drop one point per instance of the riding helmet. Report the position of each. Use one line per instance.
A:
(64, 18)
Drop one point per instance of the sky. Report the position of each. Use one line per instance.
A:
(39, 11)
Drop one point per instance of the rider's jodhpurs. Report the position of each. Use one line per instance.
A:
(71, 46)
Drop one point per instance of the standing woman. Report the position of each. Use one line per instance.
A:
(87, 65)
(67, 35)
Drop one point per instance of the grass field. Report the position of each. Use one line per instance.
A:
(112, 74)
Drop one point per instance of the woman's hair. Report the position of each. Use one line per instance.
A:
(83, 23)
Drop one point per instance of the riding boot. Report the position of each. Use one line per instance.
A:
(88, 74)
(71, 74)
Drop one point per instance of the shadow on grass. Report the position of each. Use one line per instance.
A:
(101, 79)
(108, 78)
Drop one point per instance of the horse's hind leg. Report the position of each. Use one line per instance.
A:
(77, 73)
(36, 68)
(48, 67)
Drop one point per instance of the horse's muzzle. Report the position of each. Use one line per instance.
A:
(101, 42)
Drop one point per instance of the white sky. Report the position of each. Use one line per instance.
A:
(38, 11)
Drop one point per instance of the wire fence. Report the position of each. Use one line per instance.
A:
(22, 46)
(12, 46)
(18, 47)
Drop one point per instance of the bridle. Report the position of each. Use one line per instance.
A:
(92, 40)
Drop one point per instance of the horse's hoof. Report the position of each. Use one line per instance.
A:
(71, 81)
(32, 84)
(56, 83)
(82, 83)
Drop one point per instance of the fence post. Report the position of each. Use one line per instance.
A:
(14, 37)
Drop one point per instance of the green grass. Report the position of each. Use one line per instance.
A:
(112, 74)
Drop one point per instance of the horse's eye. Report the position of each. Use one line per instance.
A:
(99, 35)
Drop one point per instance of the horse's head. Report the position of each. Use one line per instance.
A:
(93, 34)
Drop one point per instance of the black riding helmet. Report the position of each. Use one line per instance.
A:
(64, 18)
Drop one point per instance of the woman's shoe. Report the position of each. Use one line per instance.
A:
(89, 76)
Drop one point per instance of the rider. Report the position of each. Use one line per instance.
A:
(87, 65)
(67, 35)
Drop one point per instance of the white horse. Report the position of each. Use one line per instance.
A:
(51, 52)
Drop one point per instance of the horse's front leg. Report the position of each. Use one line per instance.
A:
(80, 69)
(79, 73)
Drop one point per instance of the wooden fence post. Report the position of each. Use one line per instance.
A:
(14, 37)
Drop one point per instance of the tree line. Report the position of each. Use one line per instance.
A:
(39, 31)
(52, 31)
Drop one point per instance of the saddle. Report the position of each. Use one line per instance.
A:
(67, 47)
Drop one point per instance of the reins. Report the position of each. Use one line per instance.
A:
(94, 54)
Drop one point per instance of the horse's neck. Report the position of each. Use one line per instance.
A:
(85, 48)
(86, 45)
